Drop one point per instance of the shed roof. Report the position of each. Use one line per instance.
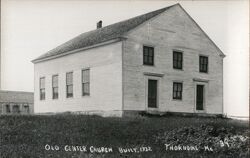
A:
(16, 97)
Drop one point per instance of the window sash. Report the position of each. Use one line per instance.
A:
(85, 76)
(69, 90)
(148, 55)
(69, 78)
(55, 92)
(55, 81)
(177, 90)
(42, 94)
(177, 60)
(42, 82)
(85, 89)
(203, 64)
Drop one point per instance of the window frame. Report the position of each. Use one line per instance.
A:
(147, 62)
(55, 95)
(42, 89)
(204, 64)
(85, 82)
(178, 61)
(176, 90)
(69, 85)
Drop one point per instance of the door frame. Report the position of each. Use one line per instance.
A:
(205, 85)
(158, 79)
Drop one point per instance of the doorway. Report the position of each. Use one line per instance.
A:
(199, 97)
(152, 93)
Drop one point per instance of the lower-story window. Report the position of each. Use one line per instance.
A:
(69, 84)
(16, 109)
(177, 90)
(26, 109)
(7, 108)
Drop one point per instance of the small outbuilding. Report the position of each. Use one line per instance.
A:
(16, 102)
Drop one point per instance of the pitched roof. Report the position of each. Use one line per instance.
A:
(16, 96)
(100, 35)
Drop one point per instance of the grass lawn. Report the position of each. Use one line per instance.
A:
(93, 136)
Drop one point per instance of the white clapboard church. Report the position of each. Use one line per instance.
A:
(157, 62)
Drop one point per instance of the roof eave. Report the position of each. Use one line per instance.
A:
(118, 39)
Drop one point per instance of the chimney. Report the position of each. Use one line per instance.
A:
(99, 24)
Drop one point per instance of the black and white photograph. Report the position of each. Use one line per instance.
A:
(125, 78)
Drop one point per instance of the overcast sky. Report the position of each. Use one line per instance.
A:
(30, 28)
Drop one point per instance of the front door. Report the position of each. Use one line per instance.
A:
(152, 93)
(199, 97)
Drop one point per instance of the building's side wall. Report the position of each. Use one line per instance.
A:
(171, 30)
(22, 108)
(105, 64)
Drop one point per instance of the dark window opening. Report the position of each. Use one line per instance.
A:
(7, 108)
(26, 109)
(177, 90)
(177, 60)
(148, 55)
(203, 64)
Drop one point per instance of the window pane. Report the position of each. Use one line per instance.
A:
(55, 81)
(69, 78)
(85, 89)
(179, 87)
(42, 94)
(42, 82)
(85, 76)
(70, 91)
(55, 93)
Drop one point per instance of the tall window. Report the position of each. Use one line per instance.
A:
(85, 82)
(177, 60)
(148, 55)
(177, 90)
(203, 64)
(69, 84)
(42, 88)
(55, 86)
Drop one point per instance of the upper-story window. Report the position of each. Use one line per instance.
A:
(203, 62)
(69, 84)
(177, 60)
(55, 86)
(148, 55)
(42, 88)
(85, 82)
(177, 90)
